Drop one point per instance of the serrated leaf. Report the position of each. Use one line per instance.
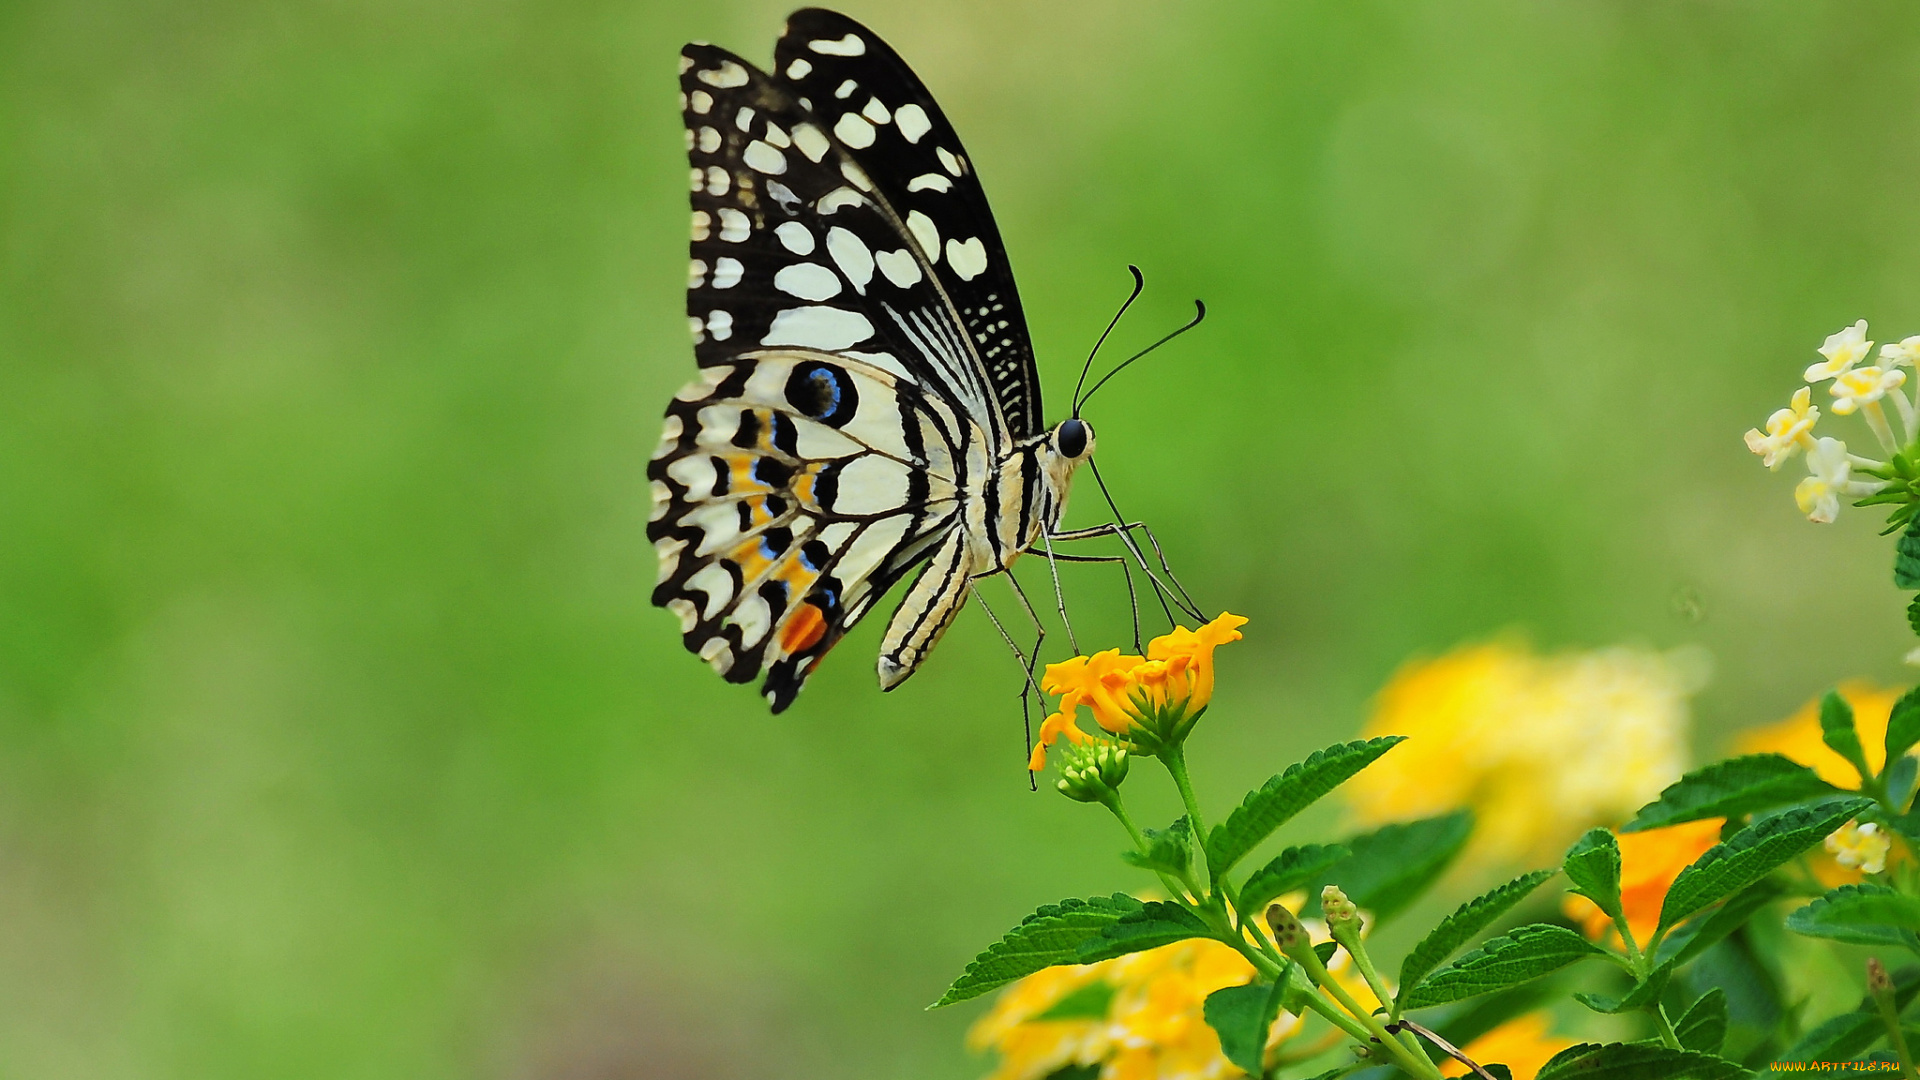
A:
(1294, 868)
(1906, 557)
(1913, 614)
(1698, 934)
(1169, 850)
(1157, 923)
(1865, 914)
(1732, 788)
(1520, 955)
(1848, 1035)
(1837, 731)
(1279, 799)
(1703, 1027)
(1051, 935)
(1242, 1016)
(1392, 866)
(1462, 926)
(1903, 723)
(1644, 993)
(1593, 865)
(1751, 854)
(1636, 1061)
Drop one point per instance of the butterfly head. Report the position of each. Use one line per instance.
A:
(1072, 439)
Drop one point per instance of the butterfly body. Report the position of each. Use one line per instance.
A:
(868, 402)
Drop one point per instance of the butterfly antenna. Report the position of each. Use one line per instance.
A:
(1200, 313)
(1161, 593)
(1139, 283)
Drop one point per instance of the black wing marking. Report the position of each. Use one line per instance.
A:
(870, 100)
(794, 244)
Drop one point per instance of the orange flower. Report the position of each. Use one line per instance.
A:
(1151, 699)
(1521, 1044)
(1649, 861)
(1798, 736)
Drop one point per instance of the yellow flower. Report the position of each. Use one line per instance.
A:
(1649, 861)
(1521, 1044)
(1787, 430)
(1842, 350)
(1151, 699)
(1863, 386)
(1861, 847)
(1541, 747)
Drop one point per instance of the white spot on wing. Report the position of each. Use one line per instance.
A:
(856, 176)
(734, 225)
(720, 325)
(811, 141)
(968, 258)
(821, 327)
(800, 68)
(717, 180)
(948, 161)
(900, 267)
(744, 118)
(763, 158)
(709, 140)
(853, 130)
(727, 74)
(702, 225)
(808, 281)
(777, 135)
(932, 181)
(701, 101)
(851, 255)
(696, 273)
(871, 484)
(726, 273)
(837, 198)
(913, 121)
(697, 328)
(851, 45)
(795, 237)
(923, 230)
(754, 620)
(875, 111)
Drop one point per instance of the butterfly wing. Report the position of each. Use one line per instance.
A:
(845, 404)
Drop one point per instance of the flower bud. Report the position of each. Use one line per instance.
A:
(1093, 771)
(1287, 931)
(1339, 910)
(1877, 980)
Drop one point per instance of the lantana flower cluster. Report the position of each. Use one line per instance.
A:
(1853, 386)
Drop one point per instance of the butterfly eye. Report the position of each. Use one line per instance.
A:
(1073, 437)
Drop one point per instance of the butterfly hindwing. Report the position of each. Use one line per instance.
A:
(871, 101)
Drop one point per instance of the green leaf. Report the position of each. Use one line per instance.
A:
(1076, 1072)
(1906, 558)
(1462, 926)
(1636, 1061)
(1644, 993)
(1837, 731)
(1325, 950)
(1732, 788)
(1593, 865)
(1753, 853)
(1698, 934)
(1900, 779)
(1848, 1035)
(1391, 867)
(1522, 954)
(1242, 1016)
(1866, 914)
(1169, 850)
(1903, 724)
(1703, 1027)
(1280, 798)
(1157, 923)
(1089, 1002)
(1913, 614)
(1294, 868)
(1052, 935)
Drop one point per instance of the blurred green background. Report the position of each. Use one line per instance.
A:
(337, 737)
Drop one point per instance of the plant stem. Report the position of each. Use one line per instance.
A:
(1140, 841)
(1175, 759)
(1667, 1037)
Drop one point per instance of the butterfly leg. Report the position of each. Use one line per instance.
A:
(1126, 573)
(1027, 661)
(1124, 531)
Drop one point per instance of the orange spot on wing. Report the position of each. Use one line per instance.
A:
(804, 630)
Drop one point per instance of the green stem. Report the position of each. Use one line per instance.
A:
(1412, 1061)
(1140, 842)
(1175, 759)
(1667, 1037)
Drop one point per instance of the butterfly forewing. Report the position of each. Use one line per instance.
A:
(878, 111)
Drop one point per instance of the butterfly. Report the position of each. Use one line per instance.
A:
(868, 402)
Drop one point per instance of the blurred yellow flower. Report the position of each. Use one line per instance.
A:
(1158, 695)
(1541, 747)
(1798, 736)
(1649, 861)
(1521, 1044)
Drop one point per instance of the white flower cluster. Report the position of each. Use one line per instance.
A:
(1854, 389)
